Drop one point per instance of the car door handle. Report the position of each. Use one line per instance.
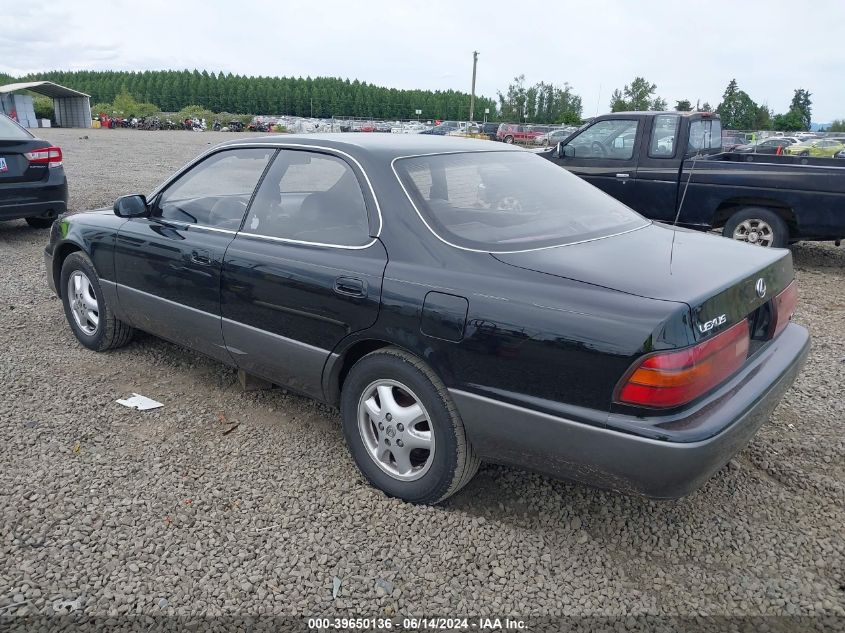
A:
(350, 286)
(201, 257)
(623, 175)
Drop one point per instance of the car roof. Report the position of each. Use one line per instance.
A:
(384, 146)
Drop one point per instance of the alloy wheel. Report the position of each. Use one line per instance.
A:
(83, 302)
(754, 231)
(396, 430)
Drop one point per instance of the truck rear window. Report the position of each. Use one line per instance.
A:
(509, 201)
(705, 134)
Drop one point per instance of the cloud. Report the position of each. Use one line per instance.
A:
(690, 50)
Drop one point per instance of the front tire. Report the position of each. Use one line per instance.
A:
(89, 315)
(40, 223)
(509, 140)
(757, 226)
(403, 430)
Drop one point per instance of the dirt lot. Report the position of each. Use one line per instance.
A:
(164, 512)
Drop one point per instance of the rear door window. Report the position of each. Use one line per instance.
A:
(312, 198)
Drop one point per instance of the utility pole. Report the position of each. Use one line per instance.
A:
(472, 94)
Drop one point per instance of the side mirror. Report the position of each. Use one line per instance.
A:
(565, 151)
(134, 206)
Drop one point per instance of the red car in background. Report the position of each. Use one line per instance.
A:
(516, 133)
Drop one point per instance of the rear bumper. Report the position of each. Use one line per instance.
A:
(33, 199)
(658, 468)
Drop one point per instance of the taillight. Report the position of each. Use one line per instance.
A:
(50, 156)
(670, 379)
(783, 305)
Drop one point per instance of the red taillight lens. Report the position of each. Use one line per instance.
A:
(783, 305)
(51, 156)
(670, 379)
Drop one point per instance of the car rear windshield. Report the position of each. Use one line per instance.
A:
(509, 201)
(11, 130)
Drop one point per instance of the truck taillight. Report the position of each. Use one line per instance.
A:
(50, 156)
(783, 305)
(670, 379)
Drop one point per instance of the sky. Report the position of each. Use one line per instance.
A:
(691, 50)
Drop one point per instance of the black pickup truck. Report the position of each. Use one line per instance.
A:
(671, 167)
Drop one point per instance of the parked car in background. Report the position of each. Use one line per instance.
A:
(516, 133)
(763, 200)
(773, 145)
(489, 130)
(731, 141)
(444, 128)
(554, 136)
(33, 184)
(457, 301)
(818, 148)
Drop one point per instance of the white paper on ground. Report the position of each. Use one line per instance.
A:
(142, 403)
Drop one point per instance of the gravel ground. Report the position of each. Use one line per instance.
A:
(165, 512)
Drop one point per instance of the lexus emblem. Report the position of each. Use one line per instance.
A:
(760, 287)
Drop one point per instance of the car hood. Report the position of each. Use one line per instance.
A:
(709, 273)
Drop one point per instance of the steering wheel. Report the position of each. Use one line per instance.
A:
(597, 148)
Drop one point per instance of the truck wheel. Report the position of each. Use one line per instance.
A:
(90, 317)
(757, 226)
(508, 140)
(403, 429)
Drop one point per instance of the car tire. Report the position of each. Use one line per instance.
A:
(759, 226)
(805, 154)
(41, 223)
(396, 384)
(89, 315)
(508, 140)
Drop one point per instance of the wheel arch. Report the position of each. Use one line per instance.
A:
(61, 253)
(729, 207)
(337, 368)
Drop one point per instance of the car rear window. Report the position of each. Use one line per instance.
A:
(509, 201)
(11, 130)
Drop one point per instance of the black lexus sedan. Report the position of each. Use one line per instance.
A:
(32, 179)
(458, 301)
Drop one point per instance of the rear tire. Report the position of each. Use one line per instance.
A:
(758, 226)
(509, 140)
(40, 223)
(89, 315)
(386, 388)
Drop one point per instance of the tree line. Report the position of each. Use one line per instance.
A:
(172, 90)
(324, 97)
(737, 110)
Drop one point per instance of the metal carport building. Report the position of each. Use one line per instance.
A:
(71, 107)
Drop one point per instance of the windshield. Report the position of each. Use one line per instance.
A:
(509, 201)
(11, 130)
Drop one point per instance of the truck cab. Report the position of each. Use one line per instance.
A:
(673, 167)
(636, 156)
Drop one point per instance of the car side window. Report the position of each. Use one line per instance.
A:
(663, 134)
(216, 191)
(310, 197)
(609, 139)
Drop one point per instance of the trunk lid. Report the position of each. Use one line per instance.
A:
(716, 277)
